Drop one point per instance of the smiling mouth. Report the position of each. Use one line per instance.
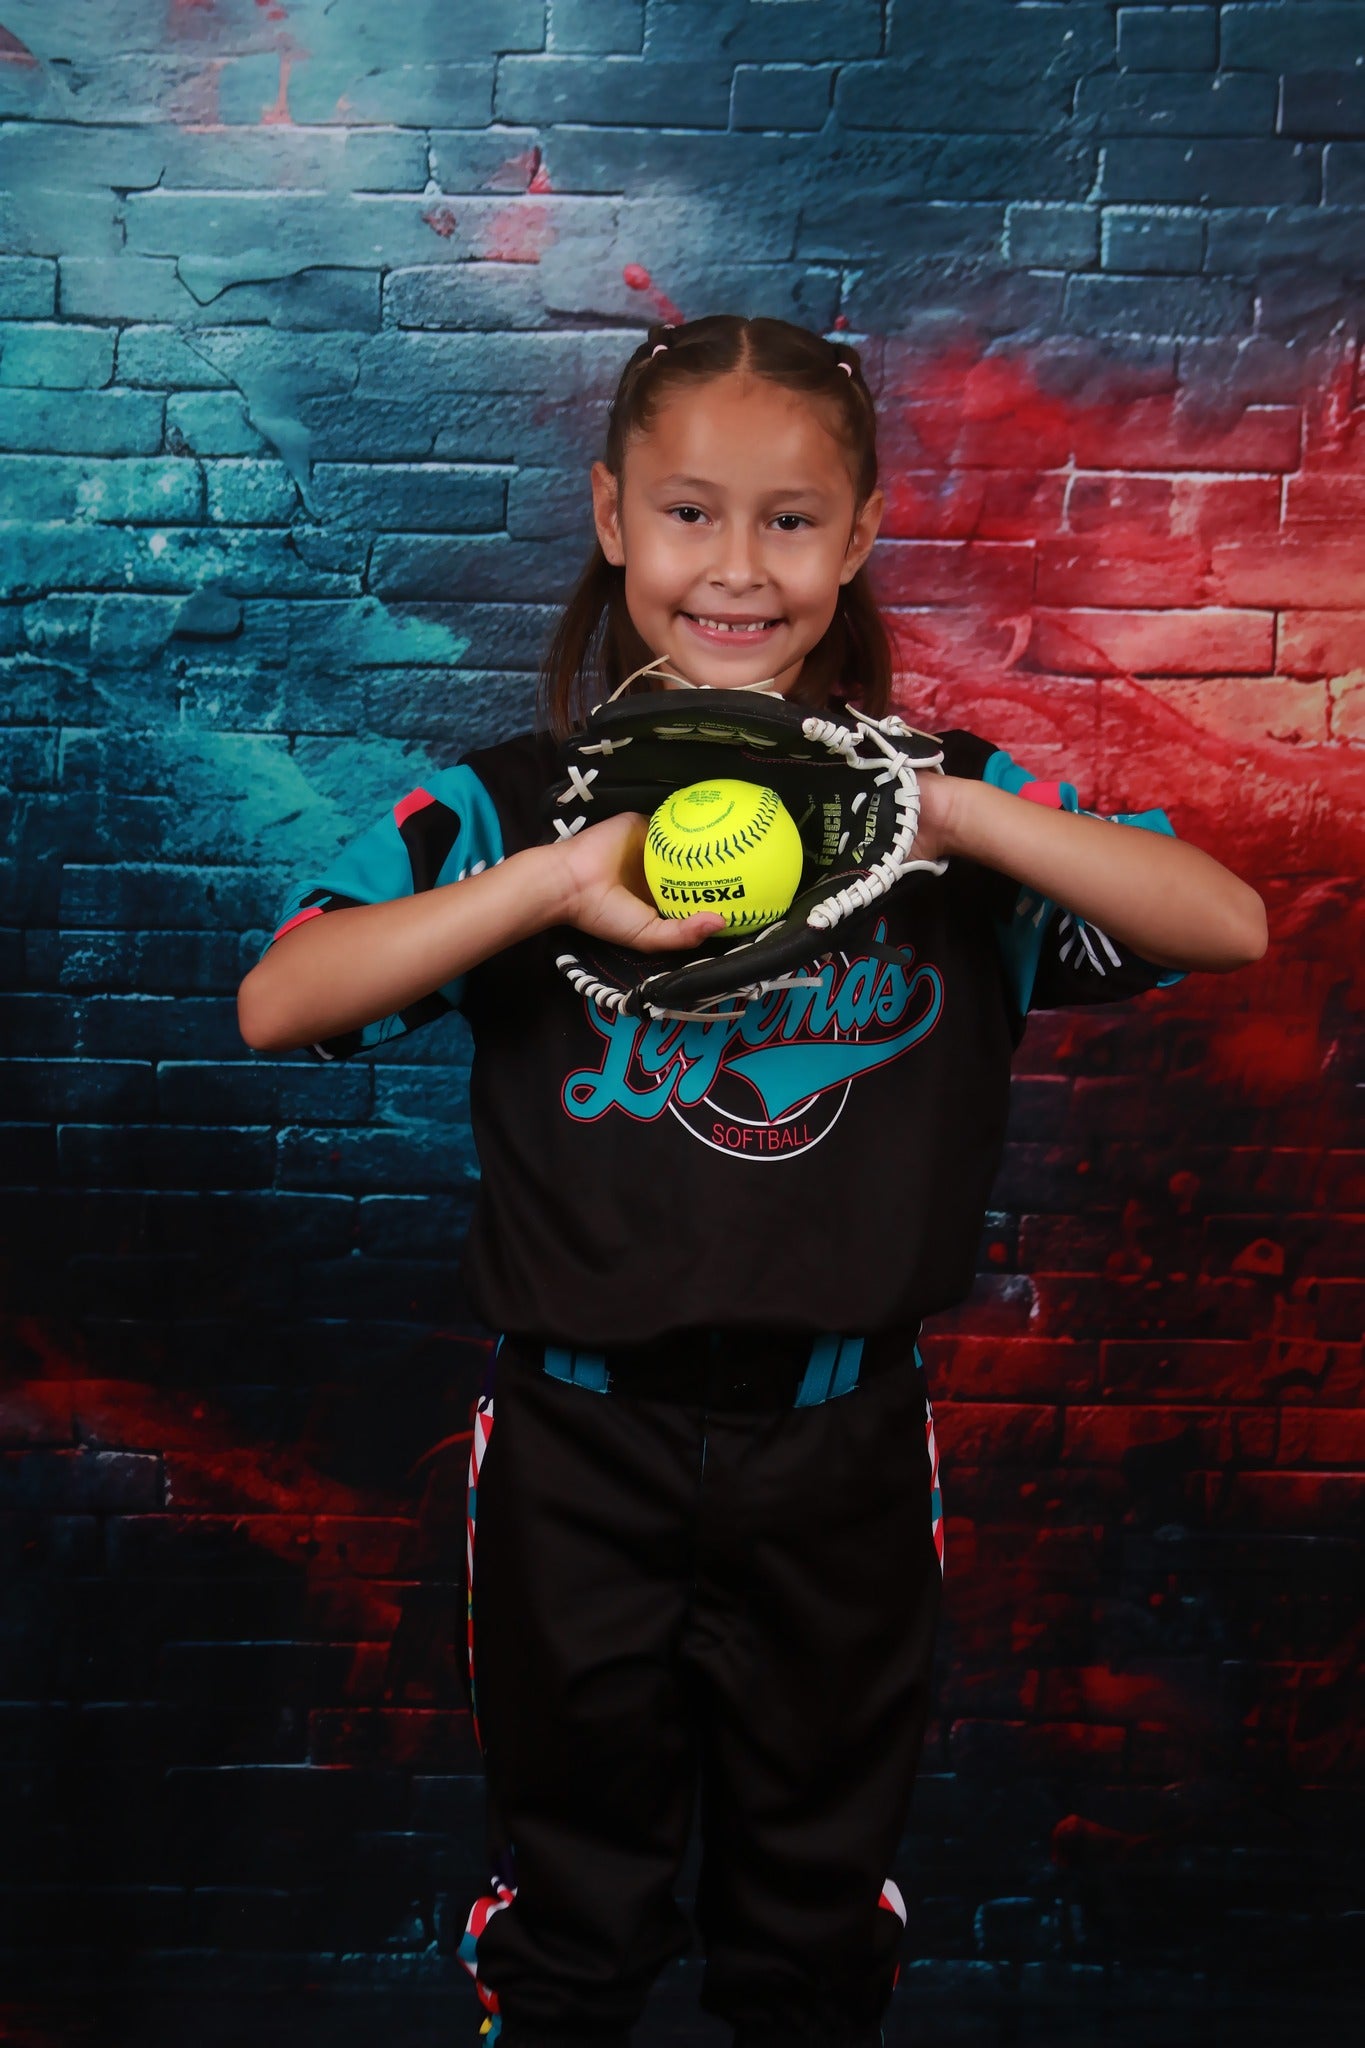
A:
(736, 626)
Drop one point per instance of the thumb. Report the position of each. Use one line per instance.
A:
(675, 934)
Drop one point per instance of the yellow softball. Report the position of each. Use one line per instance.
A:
(727, 846)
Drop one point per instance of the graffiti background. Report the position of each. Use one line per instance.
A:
(308, 318)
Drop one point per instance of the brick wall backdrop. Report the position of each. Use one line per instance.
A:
(309, 318)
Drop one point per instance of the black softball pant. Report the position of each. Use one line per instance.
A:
(661, 1589)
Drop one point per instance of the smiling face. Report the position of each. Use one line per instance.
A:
(736, 524)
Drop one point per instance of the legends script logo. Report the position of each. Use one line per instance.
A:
(773, 1081)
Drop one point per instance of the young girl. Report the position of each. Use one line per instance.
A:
(709, 1527)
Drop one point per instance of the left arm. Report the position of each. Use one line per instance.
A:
(1169, 901)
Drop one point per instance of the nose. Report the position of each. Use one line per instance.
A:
(738, 561)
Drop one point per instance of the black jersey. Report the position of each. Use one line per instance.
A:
(821, 1162)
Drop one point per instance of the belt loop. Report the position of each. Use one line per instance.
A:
(579, 1368)
(814, 1387)
(846, 1372)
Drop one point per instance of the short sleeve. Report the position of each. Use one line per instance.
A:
(1052, 957)
(439, 833)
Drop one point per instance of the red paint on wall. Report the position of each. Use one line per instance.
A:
(12, 51)
(639, 280)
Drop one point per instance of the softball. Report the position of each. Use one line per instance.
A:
(731, 847)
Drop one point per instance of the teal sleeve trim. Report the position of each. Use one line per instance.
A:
(1022, 936)
(377, 866)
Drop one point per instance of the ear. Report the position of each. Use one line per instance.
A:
(864, 532)
(606, 513)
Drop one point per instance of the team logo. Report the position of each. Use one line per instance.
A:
(773, 1081)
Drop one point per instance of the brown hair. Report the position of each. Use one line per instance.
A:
(595, 645)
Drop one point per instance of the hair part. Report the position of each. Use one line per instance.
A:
(595, 645)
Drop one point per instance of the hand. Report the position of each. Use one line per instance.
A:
(936, 815)
(609, 896)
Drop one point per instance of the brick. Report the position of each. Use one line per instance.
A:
(1346, 700)
(139, 490)
(1210, 173)
(250, 234)
(113, 1090)
(141, 1155)
(491, 296)
(1100, 571)
(273, 1092)
(1326, 1437)
(1229, 103)
(403, 566)
(780, 96)
(1206, 508)
(1249, 242)
(893, 229)
(245, 356)
(1271, 37)
(1250, 707)
(750, 30)
(176, 558)
(1149, 240)
(613, 91)
(210, 423)
(344, 92)
(83, 423)
(599, 26)
(28, 287)
(36, 219)
(367, 1160)
(1148, 434)
(425, 1739)
(1174, 306)
(1005, 1749)
(1323, 103)
(81, 1481)
(250, 493)
(1167, 38)
(1052, 236)
(412, 497)
(1308, 1501)
(1327, 575)
(938, 572)
(1329, 501)
(987, 1432)
(947, 100)
(1320, 643)
(1343, 174)
(982, 504)
(1173, 642)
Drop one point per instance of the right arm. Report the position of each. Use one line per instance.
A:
(331, 974)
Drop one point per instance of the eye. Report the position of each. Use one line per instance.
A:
(689, 514)
(799, 519)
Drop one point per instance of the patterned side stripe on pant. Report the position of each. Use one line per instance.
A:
(483, 1430)
(936, 1492)
(481, 1912)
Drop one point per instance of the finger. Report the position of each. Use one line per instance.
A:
(674, 934)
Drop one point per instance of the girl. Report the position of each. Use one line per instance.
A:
(709, 1527)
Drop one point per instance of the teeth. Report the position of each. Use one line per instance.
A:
(726, 626)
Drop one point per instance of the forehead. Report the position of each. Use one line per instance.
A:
(745, 432)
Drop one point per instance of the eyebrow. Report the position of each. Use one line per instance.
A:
(702, 483)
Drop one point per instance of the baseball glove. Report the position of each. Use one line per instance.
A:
(848, 780)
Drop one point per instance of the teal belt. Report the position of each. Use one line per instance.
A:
(831, 1369)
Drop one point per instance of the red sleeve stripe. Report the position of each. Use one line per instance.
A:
(299, 917)
(1043, 793)
(415, 800)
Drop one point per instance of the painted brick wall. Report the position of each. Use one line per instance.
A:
(307, 320)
